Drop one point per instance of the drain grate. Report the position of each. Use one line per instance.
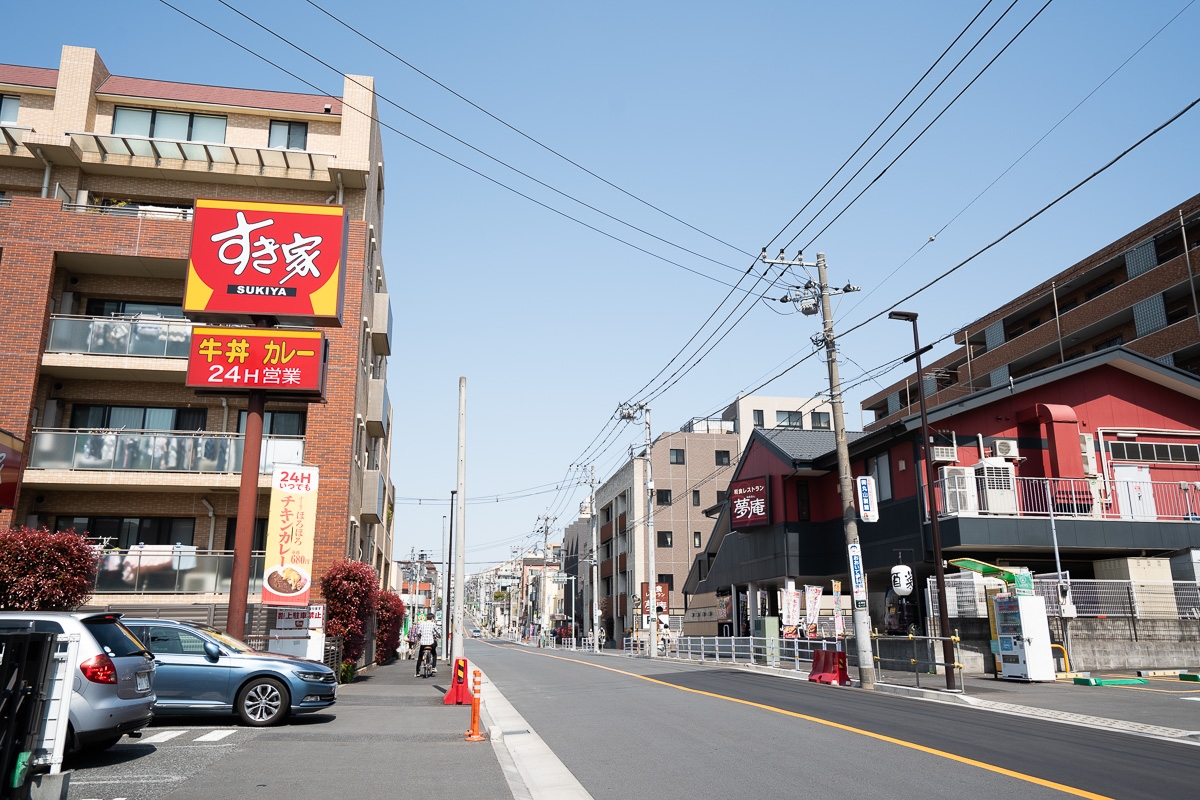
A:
(514, 733)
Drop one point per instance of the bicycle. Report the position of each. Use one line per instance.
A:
(426, 664)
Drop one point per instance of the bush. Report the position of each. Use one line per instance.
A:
(347, 672)
(351, 592)
(389, 617)
(44, 571)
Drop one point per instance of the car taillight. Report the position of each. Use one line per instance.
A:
(99, 669)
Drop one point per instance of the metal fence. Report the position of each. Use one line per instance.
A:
(998, 493)
(966, 598)
(778, 653)
(914, 654)
(134, 210)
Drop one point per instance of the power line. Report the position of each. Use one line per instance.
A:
(518, 131)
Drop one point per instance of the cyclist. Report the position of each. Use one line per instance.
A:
(427, 637)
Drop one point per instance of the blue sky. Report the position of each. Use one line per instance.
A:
(728, 116)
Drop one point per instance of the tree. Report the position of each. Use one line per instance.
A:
(389, 616)
(351, 592)
(44, 571)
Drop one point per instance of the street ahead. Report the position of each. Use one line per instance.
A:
(631, 727)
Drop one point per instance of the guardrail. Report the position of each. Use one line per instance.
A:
(918, 654)
(156, 451)
(155, 337)
(966, 598)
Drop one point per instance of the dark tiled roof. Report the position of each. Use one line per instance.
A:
(802, 445)
(181, 92)
(29, 76)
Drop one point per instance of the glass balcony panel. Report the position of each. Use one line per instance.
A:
(70, 335)
(94, 450)
(52, 450)
(179, 340)
(281, 450)
(140, 147)
(148, 338)
(109, 337)
(134, 452)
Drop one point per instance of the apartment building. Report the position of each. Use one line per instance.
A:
(1138, 292)
(99, 176)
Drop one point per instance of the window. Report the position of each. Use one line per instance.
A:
(789, 419)
(1154, 451)
(99, 307)
(1099, 290)
(1115, 341)
(676, 456)
(820, 421)
(803, 509)
(125, 532)
(664, 539)
(668, 579)
(695, 497)
(606, 515)
(277, 423)
(607, 550)
(722, 458)
(696, 539)
(721, 493)
(879, 468)
(257, 544)
(759, 422)
(662, 497)
(173, 641)
(180, 126)
(9, 105)
(138, 418)
(606, 587)
(288, 135)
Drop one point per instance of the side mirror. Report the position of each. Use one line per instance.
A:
(212, 651)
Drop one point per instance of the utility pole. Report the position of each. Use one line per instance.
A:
(628, 412)
(595, 557)
(543, 591)
(809, 297)
(456, 630)
(442, 580)
(446, 582)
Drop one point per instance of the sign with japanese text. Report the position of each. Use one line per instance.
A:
(858, 577)
(312, 617)
(12, 459)
(749, 503)
(257, 358)
(267, 259)
(839, 624)
(662, 597)
(812, 610)
(790, 612)
(287, 573)
(868, 500)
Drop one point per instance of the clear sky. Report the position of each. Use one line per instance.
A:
(729, 116)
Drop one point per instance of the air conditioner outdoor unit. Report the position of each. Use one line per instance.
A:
(958, 491)
(996, 483)
(944, 447)
(1004, 448)
(1087, 448)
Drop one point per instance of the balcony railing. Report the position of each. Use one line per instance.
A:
(966, 598)
(162, 569)
(144, 210)
(1090, 498)
(155, 451)
(120, 336)
(709, 425)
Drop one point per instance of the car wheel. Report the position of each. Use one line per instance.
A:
(262, 702)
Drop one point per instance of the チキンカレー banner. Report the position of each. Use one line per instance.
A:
(287, 571)
(267, 260)
(277, 360)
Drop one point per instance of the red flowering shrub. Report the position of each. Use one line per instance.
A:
(389, 616)
(44, 571)
(351, 592)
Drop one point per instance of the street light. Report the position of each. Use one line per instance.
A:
(938, 568)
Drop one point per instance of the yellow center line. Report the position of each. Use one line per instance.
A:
(1021, 776)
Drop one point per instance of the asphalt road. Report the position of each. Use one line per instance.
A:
(742, 734)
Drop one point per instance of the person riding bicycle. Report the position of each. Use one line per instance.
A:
(427, 637)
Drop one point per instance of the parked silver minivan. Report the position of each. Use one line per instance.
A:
(113, 678)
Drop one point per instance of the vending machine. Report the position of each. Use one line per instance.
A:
(1023, 638)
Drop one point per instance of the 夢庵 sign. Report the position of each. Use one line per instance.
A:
(662, 597)
(749, 503)
(12, 456)
(257, 358)
(287, 571)
(267, 259)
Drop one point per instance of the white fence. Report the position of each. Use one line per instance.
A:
(966, 598)
(779, 653)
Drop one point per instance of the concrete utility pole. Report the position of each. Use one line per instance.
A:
(543, 591)
(442, 579)
(809, 297)
(595, 573)
(456, 648)
(629, 412)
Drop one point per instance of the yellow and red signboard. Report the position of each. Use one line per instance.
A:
(12, 456)
(287, 573)
(267, 260)
(276, 360)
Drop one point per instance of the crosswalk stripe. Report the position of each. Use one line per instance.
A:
(163, 736)
(215, 736)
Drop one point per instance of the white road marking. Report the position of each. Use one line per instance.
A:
(163, 736)
(215, 736)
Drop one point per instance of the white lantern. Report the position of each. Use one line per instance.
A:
(902, 580)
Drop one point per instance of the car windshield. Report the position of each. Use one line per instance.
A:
(236, 645)
(115, 638)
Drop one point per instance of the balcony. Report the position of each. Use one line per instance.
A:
(374, 497)
(163, 569)
(139, 348)
(379, 408)
(381, 325)
(74, 458)
(1068, 498)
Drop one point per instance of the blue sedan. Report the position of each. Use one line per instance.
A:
(199, 670)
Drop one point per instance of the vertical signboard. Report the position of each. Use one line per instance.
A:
(839, 624)
(858, 577)
(662, 597)
(267, 260)
(790, 611)
(287, 574)
(868, 499)
(12, 457)
(749, 503)
(812, 610)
